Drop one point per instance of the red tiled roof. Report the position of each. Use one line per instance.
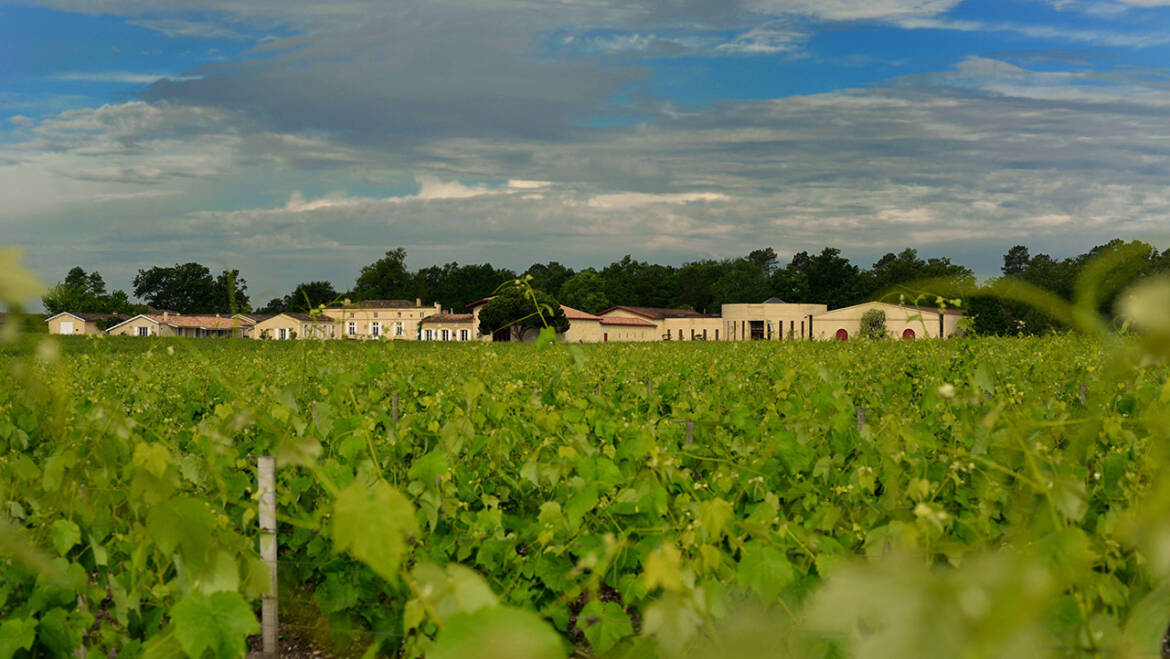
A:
(655, 313)
(448, 318)
(577, 314)
(304, 317)
(480, 301)
(256, 317)
(619, 320)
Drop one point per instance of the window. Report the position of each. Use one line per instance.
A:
(399, 328)
(667, 335)
(692, 334)
(464, 335)
(351, 314)
(352, 328)
(375, 329)
(143, 331)
(304, 330)
(430, 335)
(375, 314)
(705, 333)
(282, 333)
(399, 314)
(446, 335)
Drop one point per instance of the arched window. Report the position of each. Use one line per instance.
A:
(842, 334)
(908, 334)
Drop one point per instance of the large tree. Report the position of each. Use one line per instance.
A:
(453, 286)
(584, 291)
(512, 307)
(190, 288)
(825, 278)
(83, 292)
(894, 271)
(386, 279)
(310, 295)
(548, 276)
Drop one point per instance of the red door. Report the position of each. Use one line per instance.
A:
(908, 334)
(842, 334)
(605, 337)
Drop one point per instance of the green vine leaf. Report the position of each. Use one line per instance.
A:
(372, 523)
(218, 623)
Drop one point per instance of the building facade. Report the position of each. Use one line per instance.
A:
(902, 322)
(75, 324)
(397, 320)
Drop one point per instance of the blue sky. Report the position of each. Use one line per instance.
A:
(299, 140)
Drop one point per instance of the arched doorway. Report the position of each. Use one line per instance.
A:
(908, 334)
(842, 334)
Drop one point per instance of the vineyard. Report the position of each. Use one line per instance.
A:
(970, 497)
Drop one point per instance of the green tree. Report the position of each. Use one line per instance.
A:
(825, 278)
(386, 278)
(765, 259)
(311, 294)
(740, 280)
(230, 287)
(548, 276)
(190, 288)
(584, 291)
(512, 307)
(83, 292)
(873, 325)
(453, 286)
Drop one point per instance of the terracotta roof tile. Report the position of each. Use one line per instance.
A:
(448, 318)
(577, 314)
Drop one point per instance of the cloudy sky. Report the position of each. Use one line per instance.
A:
(300, 139)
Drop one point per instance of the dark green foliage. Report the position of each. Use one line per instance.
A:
(305, 297)
(455, 286)
(86, 293)
(514, 307)
(584, 291)
(190, 288)
(386, 279)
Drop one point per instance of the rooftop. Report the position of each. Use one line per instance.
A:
(577, 314)
(448, 318)
(657, 313)
(630, 322)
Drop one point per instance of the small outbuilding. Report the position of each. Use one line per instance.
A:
(71, 324)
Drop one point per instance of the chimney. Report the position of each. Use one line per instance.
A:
(166, 315)
(418, 301)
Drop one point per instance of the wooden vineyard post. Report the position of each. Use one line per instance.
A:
(266, 482)
(394, 408)
(690, 429)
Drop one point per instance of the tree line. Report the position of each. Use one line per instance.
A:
(825, 277)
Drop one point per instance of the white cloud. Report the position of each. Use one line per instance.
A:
(521, 184)
(131, 196)
(127, 77)
(767, 39)
(631, 200)
(178, 27)
(857, 9)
